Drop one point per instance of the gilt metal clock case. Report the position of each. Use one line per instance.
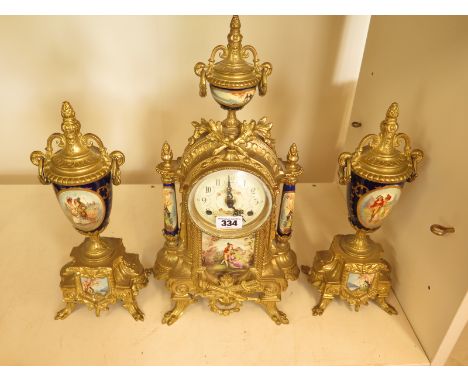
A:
(230, 246)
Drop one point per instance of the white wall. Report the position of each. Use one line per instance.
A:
(131, 81)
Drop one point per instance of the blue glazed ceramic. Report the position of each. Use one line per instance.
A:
(369, 203)
(87, 206)
(286, 210)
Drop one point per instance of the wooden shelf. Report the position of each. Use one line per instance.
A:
(36, 241)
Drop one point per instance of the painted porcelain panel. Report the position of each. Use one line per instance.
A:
(95, 285)
(360, 282)
(286, 213)
(220, 255)
(232, 98)
(82, 218)
(370, 202)
(375, 206)
(85, 209)
(170, 209)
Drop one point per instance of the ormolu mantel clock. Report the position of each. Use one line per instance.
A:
(232, 244)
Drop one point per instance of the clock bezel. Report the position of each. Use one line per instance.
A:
(211, 229)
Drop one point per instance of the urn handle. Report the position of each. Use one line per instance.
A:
(416, 156)
(344, 169)
(441, 230)
(200, 70)
(37, 159)
(118, 159)
(266, 70)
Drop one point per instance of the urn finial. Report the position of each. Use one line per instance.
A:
(293, 155)
(71, 130)
(234, 39)
(390, 124)
(293, 168)
(388, 128)
(166, 152)
(70, 124)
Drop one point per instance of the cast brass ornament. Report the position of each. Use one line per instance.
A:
(82, 174)
(353, 267)
(231, 246)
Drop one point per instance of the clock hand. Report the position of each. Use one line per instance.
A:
(229, 197)
(230, 201)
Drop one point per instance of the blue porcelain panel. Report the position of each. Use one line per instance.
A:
(87, 206)
(369, 203)
(286, 210)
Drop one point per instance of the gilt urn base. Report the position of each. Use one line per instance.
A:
(101, 278)
(352, 273)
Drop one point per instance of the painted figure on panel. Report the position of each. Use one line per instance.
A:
(82, 213)
(379, 207)
(375, 206)
(170, 209)
(85, 209)
(360, 281)
(287, 210)
(227, 254)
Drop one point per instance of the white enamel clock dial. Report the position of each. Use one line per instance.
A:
(227, 193)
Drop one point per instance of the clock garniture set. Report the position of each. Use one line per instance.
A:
(231, 243)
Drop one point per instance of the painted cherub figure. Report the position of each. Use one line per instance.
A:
(77, 208)
(379, 206)
(227, 253)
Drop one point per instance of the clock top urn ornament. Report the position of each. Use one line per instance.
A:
(231, 244)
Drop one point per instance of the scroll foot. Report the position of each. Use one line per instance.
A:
(132, 307)
(275, 314)
(385, 305)
(318, 309)
(173, 315)
(65, 312)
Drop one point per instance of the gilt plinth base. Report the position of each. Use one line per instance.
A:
(226, 293)
(356, 276)
(101, 280)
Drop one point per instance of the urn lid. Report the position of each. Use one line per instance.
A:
(81, 159)
(233, 72)
(378, 157)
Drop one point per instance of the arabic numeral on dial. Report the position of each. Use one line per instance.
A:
(203, 200)
(208, 189)
(218, 182)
